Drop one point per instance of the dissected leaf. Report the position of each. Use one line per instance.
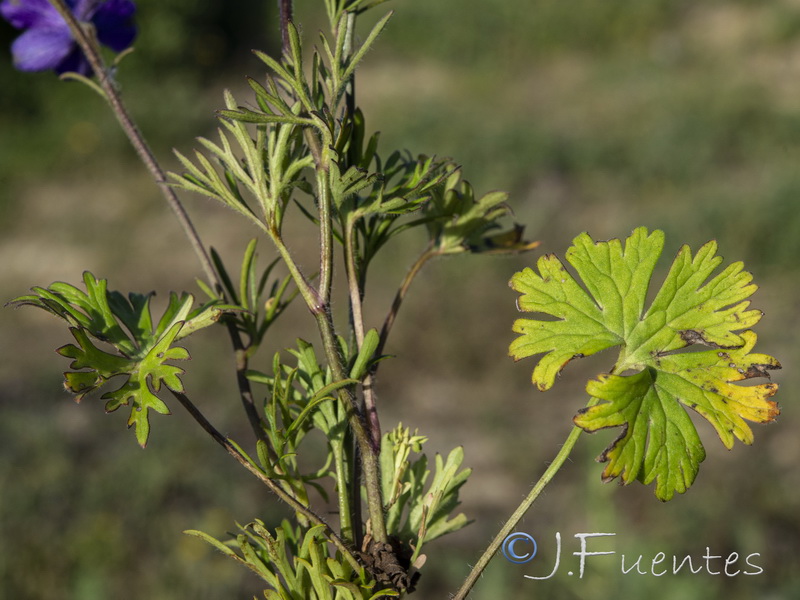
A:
(298, 562)
(417, 513)
(658, 441)
(458, 222)
(142, 352)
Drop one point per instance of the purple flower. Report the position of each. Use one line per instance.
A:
(47, 43)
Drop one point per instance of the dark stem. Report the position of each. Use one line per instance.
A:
(245, 391)
(369, 454)
(274, 487)
(428, 254)
(285, 7)
(89, 47)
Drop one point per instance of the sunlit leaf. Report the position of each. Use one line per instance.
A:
(132, 347)
(658, 441)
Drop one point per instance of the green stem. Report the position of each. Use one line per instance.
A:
(356, 309)
(350, 92)
(353, 285)
(516, 517)
(369, 458)
(343, 491)
(325, 234)
(307, 291)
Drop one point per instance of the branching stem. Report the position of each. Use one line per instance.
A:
(321, 312)
(89, 46)
(274, 487)
(88, 43)
(369, 457)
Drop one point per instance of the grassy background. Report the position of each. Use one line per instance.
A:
(595, 116)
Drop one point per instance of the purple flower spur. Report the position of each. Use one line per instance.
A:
(47, 43)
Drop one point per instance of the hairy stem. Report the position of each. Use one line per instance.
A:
(350, 93)
(353, 282)
(369, 455)
(517, 515)
(307, 291)
(356, 290)
(89, 47)
(325, 235)
(343, 492)
(321, 312)
(285, 8)
(274, 487)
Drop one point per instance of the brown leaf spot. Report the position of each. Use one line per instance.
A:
(692, 336)
(759, 370)
(604, 455)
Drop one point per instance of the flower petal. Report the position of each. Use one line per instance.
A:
(75, 62)
(41, 48)
(26, 14)
(114, 23)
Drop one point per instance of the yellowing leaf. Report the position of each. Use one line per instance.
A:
(617, 281)
(658, 441)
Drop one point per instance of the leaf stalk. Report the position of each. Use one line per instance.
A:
(520, 511)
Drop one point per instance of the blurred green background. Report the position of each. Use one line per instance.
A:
(596, 116)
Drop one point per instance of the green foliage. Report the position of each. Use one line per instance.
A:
(416, 514)
(299, 398)
(658, 440)
(256, 314)
(142, 353)
(293, 136)
(303, 143)
(457, 222)
(297, 564)
(304, 138)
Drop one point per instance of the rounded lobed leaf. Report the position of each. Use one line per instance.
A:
(658, 441)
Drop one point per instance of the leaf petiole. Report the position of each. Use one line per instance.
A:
(520, 511)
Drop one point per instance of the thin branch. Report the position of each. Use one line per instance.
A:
(350, 93)
(325, 234)
(285, 8)
(523, 508)
(353, 282)
(88, 45)
(297, 506)
(245, 390)
(428, 254)
(356, 310)
(369, 454)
